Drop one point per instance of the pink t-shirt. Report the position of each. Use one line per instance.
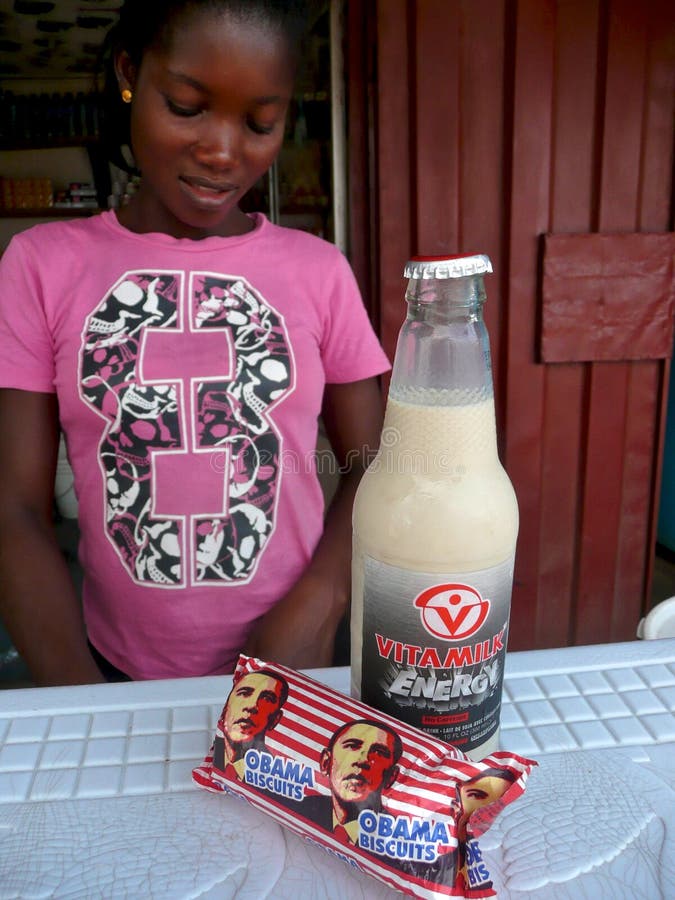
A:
(190, 377)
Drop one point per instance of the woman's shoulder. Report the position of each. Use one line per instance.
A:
(57, 237)
(304, 243)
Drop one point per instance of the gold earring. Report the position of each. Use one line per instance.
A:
(126, 95)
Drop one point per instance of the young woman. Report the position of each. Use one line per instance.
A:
(185, 349)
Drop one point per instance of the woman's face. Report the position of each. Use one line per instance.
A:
(207, 121)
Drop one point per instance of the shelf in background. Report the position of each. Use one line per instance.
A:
(48, 212)
(50, 143)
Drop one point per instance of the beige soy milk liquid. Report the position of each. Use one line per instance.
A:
(434, 542)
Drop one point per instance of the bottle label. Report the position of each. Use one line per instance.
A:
(434, 648)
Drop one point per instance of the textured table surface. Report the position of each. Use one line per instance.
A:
(96, 797)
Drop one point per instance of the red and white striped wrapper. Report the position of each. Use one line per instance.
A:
(425, 789)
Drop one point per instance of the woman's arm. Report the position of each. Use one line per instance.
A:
(38, 602)
(300, 630)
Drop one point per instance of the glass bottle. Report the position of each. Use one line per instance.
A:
(435, 522)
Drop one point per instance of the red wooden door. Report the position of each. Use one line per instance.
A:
(496, 123)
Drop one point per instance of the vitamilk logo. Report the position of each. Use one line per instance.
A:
(452, 612)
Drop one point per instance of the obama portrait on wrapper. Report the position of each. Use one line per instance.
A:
(360, 762)
(253, 708)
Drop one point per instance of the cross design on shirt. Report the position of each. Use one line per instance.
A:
(190, 480)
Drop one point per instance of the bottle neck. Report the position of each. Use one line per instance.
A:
(445, 300)
(443, 352)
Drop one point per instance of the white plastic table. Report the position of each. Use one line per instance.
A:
(96, 797)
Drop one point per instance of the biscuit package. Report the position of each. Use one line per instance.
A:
(388, 799)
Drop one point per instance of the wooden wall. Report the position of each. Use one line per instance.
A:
(490, 124)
